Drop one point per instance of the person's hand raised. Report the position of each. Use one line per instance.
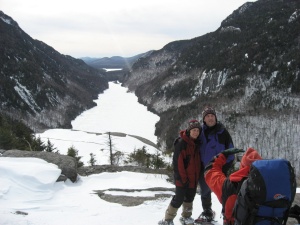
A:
(231, 151)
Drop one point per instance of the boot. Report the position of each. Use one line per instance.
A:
(206, 203)
(170, 214)
(207, 215)
(187, 208)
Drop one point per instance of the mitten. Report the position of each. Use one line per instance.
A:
(231, 151)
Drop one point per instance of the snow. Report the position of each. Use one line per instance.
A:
(117, 110)
(109, 70)
(26, 96)
(8, 21)
(230, 29)
(116, 114)
(28, 185)
(33, 190)
(294, 16)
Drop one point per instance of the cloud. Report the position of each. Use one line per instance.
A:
(116, 27)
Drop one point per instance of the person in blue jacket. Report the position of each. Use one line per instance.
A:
(214, 139)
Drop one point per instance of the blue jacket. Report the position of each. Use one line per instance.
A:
(213, 141)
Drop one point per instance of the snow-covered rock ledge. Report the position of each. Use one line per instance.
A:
(67, 164)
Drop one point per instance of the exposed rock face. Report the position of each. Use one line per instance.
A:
(67, 164)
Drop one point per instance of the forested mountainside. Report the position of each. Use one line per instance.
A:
(40, 86)
(248, 69)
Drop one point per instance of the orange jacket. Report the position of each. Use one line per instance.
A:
(226, 189)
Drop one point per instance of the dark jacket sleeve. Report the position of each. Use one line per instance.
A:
(228, 144)
(228, 140)
(180, 175)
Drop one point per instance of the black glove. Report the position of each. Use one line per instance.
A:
(186, 184)
(231, 151)
(295, 210)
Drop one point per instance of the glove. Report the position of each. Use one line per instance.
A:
(231, 151)
(186, 184)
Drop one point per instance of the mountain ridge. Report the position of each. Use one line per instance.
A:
(39, 85)
(247, 69)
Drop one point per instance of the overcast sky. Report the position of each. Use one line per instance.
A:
(125, 28)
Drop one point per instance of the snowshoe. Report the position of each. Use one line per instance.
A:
(206, 217)
(186, 220)
(166, 222)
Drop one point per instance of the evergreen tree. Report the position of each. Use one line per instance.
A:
(7, 140)
(16, 135)
(92, 160)
(157, 162)
(74, 153)
(50, 147)
(140, 156)
(38, 145)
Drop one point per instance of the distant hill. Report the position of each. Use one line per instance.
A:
(114, 62)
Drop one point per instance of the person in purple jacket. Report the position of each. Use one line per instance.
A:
(214, 139)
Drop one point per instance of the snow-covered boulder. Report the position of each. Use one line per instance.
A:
(67, 164)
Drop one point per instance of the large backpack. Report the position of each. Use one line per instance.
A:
(265, 197)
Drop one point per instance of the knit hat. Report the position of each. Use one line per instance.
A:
(193, 124)
(208, 110)
(249, 157)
